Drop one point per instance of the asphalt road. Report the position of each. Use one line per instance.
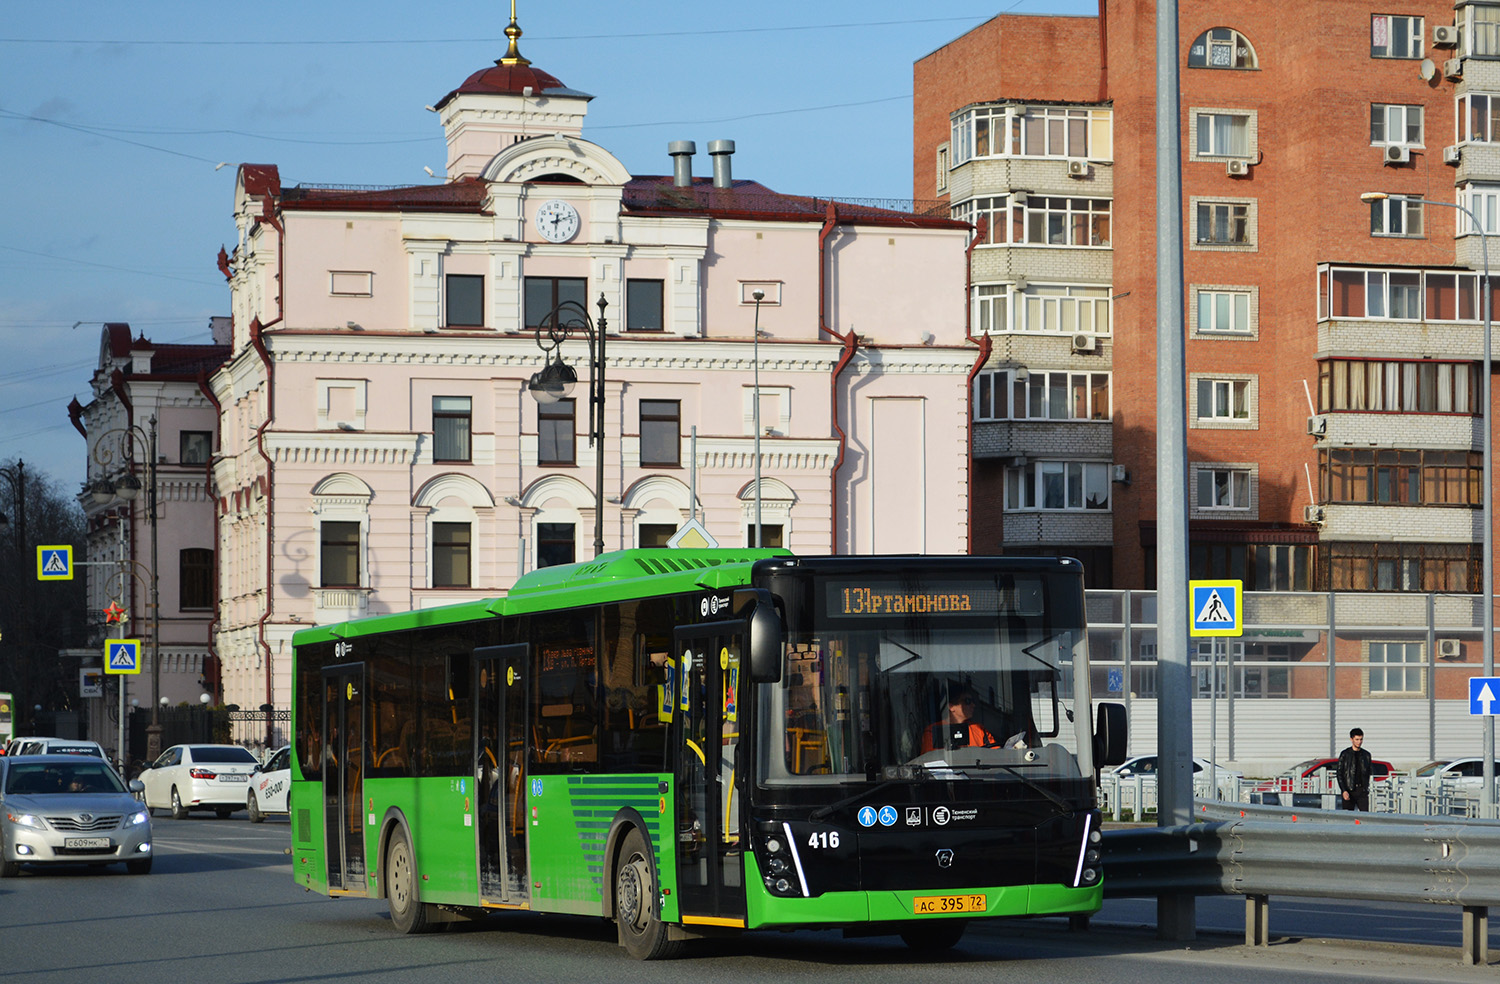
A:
(220, 906)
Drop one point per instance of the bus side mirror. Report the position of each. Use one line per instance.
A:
(1109, 735)
(764, 631)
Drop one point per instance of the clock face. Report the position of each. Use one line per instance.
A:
(557, 221)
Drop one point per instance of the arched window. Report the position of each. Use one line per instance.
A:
(1222, 47)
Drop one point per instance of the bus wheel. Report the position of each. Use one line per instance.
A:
(409, 914)
(641, 933)
(934, 936)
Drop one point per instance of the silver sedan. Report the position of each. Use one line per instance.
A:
(67, 809)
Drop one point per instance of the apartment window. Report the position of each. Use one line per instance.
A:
(195, 579)
(654, 534)
(339, 560)
(554, 544)
(1398, 386)
(1267, 566)
(643, 305)
(555, 429)
(1223, 223)
(452, 424)
(1396, 668)
(1224, 489)
(1057, 485)
(1395, 36)
(543, 294)
(990, 218)
(942, 169)
(1224, 311)
(1396, 216)
(195, 447)
(1046, 221)
(661, 433)
(990, 306)
(450, 555)
(1221, 47)
(1399, 477)
(1390, 566)
(1432, 295)
(1031, 131)
(1050, 308)
(1223, 135)
(465, 300)
(1484, 201)
(1011, 394)
(1223, 399)
(1479, 118)
(1483, 33)
(1399, 125)
(1052, 131)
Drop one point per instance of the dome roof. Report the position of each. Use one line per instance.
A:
(510, 75)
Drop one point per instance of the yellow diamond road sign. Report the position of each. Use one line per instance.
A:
(692, 536)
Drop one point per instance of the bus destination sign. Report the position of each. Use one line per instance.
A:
(864, 599)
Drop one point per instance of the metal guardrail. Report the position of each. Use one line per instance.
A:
(1261, 851)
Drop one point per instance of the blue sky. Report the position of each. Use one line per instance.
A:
(113, 117)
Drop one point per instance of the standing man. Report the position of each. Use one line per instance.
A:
(1354, 773)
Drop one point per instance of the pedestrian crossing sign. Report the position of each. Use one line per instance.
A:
(1218, 607)
(54, 563)
(122, 656)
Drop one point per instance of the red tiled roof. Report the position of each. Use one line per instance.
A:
(501, 79)
(464, 195)
(750, 199)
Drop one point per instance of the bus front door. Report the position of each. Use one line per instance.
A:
(499, 771)
(710, 866)
(343, 776)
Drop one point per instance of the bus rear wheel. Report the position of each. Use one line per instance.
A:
(642, 933)
(934, 936)
(409, 914)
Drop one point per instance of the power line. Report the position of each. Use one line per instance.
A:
(108, 266)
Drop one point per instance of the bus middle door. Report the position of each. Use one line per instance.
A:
(710, 863)
(343, 777)
(499, 771)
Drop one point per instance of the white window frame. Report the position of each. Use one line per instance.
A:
(1412, 665)
(1203, 53)
(1382, 34)
(1399, 216)
(1231, 219)
(1235, 481)
(991, 308)
(1481, 36)
(1229, 399)
(1027, 486)
(1057, 220)
(1484, 105)
(1006, 133)
(1240, 322)
(995, 395)
(1063, 309)
(1388, 119)
(1206, 124)
(994, 209)
(1484, 201)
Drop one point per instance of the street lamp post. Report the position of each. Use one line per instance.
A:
(556, 381)
(1487, 559)
(759, 296)
(104, 491)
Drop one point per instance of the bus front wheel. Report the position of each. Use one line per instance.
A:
(642, 933)
(934, 936)
(409, 914)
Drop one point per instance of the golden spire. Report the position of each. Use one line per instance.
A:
(513, 32)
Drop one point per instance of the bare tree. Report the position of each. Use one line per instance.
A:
(38, 620)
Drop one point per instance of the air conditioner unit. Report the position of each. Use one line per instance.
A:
(1078, 169)
(1397, 155)
(1445, 36)
(1084, 343)
(1453, 68)
(1120, 474)
(1312, 514)
(1452, 155)
(1021, 283)
(1449, 648)
(1238, 168)
(1317, 426)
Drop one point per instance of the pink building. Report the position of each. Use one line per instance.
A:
(143, 392)
(381, 450)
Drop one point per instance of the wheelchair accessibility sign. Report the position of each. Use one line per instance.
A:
(1218, 607)
(122, 656)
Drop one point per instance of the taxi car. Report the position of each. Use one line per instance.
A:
(199, 777)
(70, 809)
(270, 785)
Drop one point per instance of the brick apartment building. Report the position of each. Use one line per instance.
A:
(1333, 345)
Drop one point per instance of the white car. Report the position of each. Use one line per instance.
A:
(270, 785)
(1146, 766)
(199, 777)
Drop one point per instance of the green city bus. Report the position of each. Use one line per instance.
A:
(698, 742)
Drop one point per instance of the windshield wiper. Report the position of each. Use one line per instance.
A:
(885, 637)
(824, 812)
(978, 766)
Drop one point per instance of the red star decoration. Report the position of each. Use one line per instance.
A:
(115, 613)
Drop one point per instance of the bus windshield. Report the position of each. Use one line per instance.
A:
(957, 680)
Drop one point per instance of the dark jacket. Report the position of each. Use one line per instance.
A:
(1354, 770)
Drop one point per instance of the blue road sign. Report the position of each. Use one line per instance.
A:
(1217, 607)
(887, 816)
(122, 656)
(867, 816)
(1116, 681)
(1484, 695)
(54, 563)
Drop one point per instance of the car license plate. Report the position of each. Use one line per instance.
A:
(230, 777)
(85, 843)
(928, 905)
